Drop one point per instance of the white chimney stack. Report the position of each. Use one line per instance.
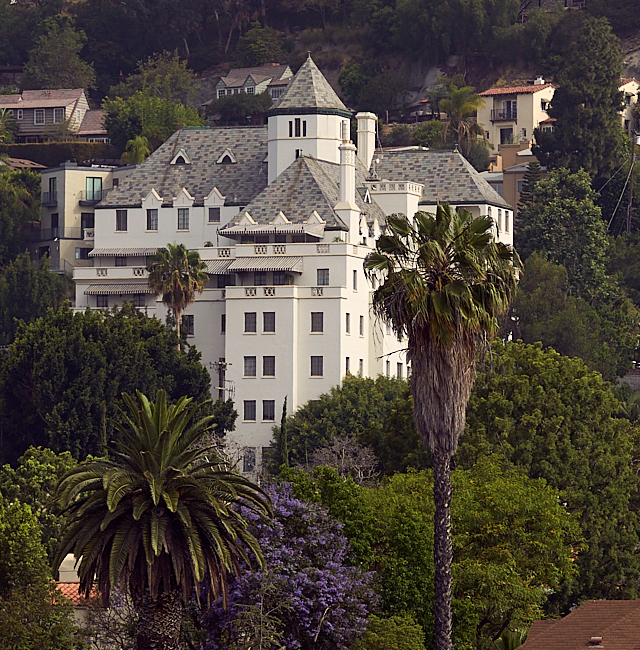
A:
(539, 81)
(346, 208)
(366, 137)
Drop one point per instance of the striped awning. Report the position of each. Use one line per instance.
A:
(133, 252)
(116, 289)
(315, 230)
(217, 267)
(275, 263)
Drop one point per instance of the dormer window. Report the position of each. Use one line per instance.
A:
(227, 158)
(180, 161)
(181, 158)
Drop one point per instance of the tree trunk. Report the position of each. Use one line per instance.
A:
(158, 621)
(442, 549)
(177, 313)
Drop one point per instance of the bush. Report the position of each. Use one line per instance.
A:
(51, 154)
(428, 134)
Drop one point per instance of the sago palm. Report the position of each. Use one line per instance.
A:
(177, 274)
(158, 517)
(461, 108)
(443, 281)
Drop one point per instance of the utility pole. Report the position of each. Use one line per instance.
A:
(635, 139)
(223, 386)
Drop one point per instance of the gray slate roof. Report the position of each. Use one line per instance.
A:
(307, 185)
(309, 89)
(446, 175)
(240, 183)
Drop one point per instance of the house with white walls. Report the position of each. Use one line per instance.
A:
(283, 216)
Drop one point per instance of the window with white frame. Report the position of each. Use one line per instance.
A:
(268, 410)
(121, 220)
(269, 321)
(361, 325)
(317, 321)
(19, 114)
(250, 321)
(183, 218)
(317, 368)
(250, 410)
(58, 115)
(214, 215)
(399, 371)
(152, 219)
(249, 366)
(323, 277)
(250, 90)
(506, 221)
(38, 116)
(388, 368)
(269, 366)
(189, 325)
(222, 92)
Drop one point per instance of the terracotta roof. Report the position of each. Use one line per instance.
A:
(71, 591)
(93, 123)
(240, 182)
(309, 89)
(446, 176)
(42, 98)
(627, 80)
(515, 90)
(616, 621)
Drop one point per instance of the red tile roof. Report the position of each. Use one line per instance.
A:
(71, 591)
(515, 90)
(616, 621)
(627, 80)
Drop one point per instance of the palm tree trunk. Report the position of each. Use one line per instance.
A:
(177, 313)
(442, 549)
(158, 621)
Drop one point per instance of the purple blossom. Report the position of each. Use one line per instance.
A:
(308, 591)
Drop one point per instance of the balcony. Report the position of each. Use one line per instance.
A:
(502, 115)
(49, 199)
(91, 197)
(49, 234)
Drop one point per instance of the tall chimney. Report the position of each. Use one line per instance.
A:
(346, 207)
(366, 137)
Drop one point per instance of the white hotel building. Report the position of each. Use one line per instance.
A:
(283, 216)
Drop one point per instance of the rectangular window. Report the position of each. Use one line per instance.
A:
(121, 260)
(269, 410)
(304, 128)
(290, 129)
(278, 278)
(316, 366)
(228, 280)
(317, 321)
(223, 323)
(347, 366)
(249, 366)
(222, 93)
(214, 215)
(260, 278)
(280, 238)
(38, 116)
(355, 280)
(19, 114)
(188, 324)
(94, 188)
(399, 371)
(361, 367)
(121, 220)
(268, 366)
(55, 220)
(361, 325)
(348, 323)
(250, 90)
(249, 456)
(152, 219)
(506, 221)
(139, 300)
(250, 321)
(183, 218)
(115, 182)
(58, 115)
(82, 253)
(269, 321)
(323, 277)
(388, 368)
(102, 301)
(87, 220)
(297, 119)
(250, 410)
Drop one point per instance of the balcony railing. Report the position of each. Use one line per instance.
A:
(49, 199)
(91, 197)
(48, 234)
(503, 115)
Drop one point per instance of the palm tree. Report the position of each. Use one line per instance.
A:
(461, 107)
(177, 274)
(443, 281)
(157, 517)
(7, 125)
(137, 150)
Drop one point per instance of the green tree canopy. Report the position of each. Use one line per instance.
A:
(587, 133)
(55, 61)
(553, 418)
(63, 377)
(259, 45)
(240, 108)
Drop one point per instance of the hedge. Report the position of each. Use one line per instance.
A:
(51, 154)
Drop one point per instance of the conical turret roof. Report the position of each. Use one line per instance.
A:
(309, 90)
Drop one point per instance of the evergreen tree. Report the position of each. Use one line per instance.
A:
(531, 177)
(587, 133)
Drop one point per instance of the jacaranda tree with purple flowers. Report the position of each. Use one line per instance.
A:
(307, 596)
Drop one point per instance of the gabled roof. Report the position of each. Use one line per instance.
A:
(93, 123)
(515, 90)
(310, 90)
(42, 98)
(71, 591)
(239, 183)
(615, 621)
(306, 186)
(627, 80)
(447, 177)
